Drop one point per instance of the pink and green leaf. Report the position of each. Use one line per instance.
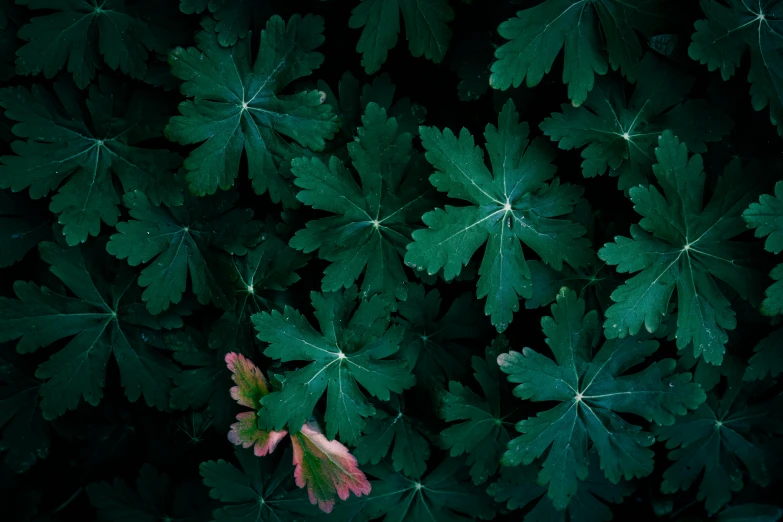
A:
(251, 384)
(247, 433)
(326, 468)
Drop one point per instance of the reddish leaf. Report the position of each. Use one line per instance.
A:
(247, 433)
(326, 468)
(251, 383)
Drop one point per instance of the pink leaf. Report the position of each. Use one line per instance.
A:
(247, 433)
(326, 468)
(251, 383)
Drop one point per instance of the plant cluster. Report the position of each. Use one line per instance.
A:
(271, 261)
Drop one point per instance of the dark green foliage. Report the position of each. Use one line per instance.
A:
(685, 241)
(196, 238)
(154, 498)
(592, 384)
(411, 445)
(721, 443)
(374, 220)
(352, 350)
(237, 105)
(620, 131)
(391, 260)
(81, 32)
(84, 142)
(102, 314)
(261, 490)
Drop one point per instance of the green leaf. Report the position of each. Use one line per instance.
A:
(767, 358)
(233, 16)
(374, 221)
(262, 490)
(204, 381)
(766, 217)
(517, 487)
(595, 282)
(22, 227)
(154, 499)
(387, 425)
(518, 202)
(751, 513)
(620, 135)
(592, 389)
(434, 336)
(352, 351)
(104, 316)
(426, 29)
(734, 27)
(719, 439)
(350, 101)
(85, 144)
(443, 495)
(584, 28)
(482, 434)
(195, 238)
(25, 434)
(80, 32)
(236, 105)
(683, 243)
(259, 277)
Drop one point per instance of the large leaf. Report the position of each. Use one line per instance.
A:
(585, 28)
(79, 32)
(238, 105)
(352, 350)
(734, 27)
(105, 316)
(517, 202)
(195, 238)
(621, 135)
(591, 389)
(85, 143)
(374, 221)
(426, 29)
(683, 243)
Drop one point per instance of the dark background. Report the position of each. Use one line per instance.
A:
(114, 439)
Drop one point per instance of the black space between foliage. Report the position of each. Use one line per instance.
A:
(94, 444)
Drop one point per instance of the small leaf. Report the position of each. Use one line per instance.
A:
(251, 384)
(326, 468)
(247, 434)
